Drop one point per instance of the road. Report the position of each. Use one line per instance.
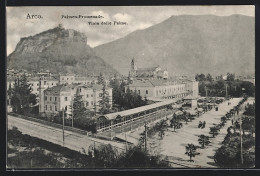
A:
(73, 141)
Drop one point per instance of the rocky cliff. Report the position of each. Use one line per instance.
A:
(60, 51)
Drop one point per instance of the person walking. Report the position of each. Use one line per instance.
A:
(203, 125)
(200, 124)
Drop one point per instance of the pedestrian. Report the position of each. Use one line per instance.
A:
(203, 125)
(200, 124)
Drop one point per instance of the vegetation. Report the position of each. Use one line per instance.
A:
(123, 98)
(43, 154)
(229, 154)
(214, 131)
(175, 121)
(191, 151)
(104, 101)
(203, 140)
(21, 96)
(235, 88)
(250, 110)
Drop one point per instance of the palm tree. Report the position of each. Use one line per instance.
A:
(191, 150)
(162, 126)
(223, 119)
(175, 121)
(203, 140)
(213, 131)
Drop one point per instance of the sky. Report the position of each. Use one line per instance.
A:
(136, 18)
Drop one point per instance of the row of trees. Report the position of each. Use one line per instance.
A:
(234, 88)
(208, 77)
(229, 154)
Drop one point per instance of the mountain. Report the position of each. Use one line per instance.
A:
(58, 50)
(186, 45)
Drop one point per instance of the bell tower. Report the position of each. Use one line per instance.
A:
(133, 67)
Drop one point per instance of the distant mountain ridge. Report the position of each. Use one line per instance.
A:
(186, 45)
(58, 50)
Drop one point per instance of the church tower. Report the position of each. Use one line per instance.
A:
(133, 67)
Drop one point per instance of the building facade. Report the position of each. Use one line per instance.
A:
(57, 98)
(160, 89)
(148, 72)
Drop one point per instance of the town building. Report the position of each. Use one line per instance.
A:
(59, 97)
(163, 89)
(148, 72)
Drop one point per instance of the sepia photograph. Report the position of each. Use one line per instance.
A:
(123, 87)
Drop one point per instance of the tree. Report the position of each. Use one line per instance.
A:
(105, 155)
(250, 110)
(248, 123)
(186, 116)
(101, 79)
(135, 157)
(209, 78)
(162, 126)
(79, 109)
(200, 77)
(175, 121)
(203, 140)
(214, 131)
(191, 151)
(104, 101)
(20, 94)
(230, 77)
(229, 154)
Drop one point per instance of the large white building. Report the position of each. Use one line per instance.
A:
(164, 89)
(59, 97)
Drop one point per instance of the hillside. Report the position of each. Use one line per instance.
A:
(186, 45)
(60, 51)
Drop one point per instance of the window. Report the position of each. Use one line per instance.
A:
(100, 95)
(37, 84)
(55, 98)
(66, 98)
(91, 95)
(62, 78)
(46, 107)
(87, 95)
(146, 91)
(32, 84)
(87, 104)
(139, 92)
(55, 108)
(51, 83)
(79, 89)
(50, 108)
(45, 98)
(44, 82)
(91, 102)
(50, 98)
(67, 78)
